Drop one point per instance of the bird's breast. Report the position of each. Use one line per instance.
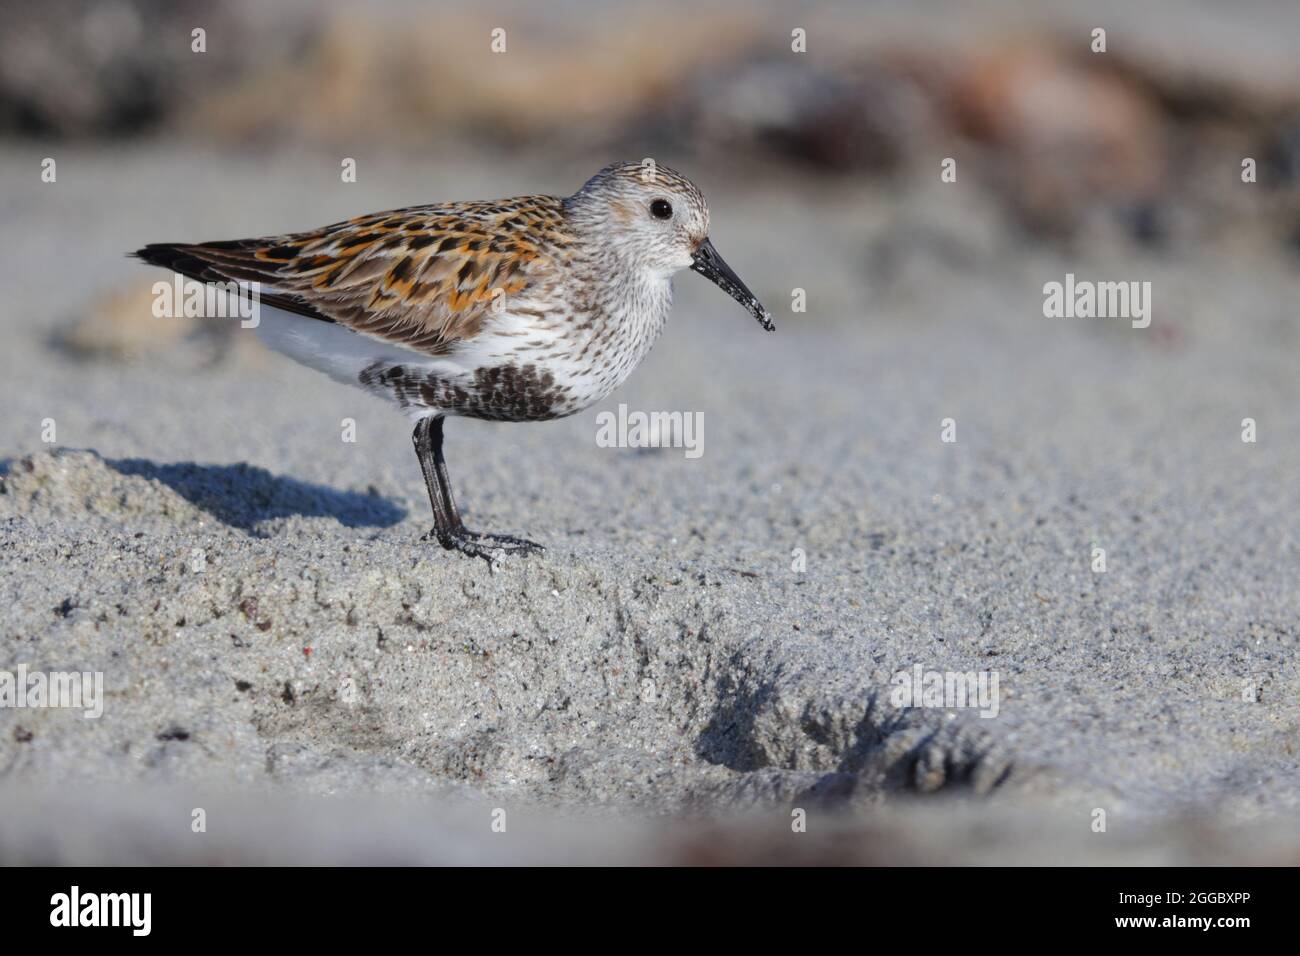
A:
(588, 341)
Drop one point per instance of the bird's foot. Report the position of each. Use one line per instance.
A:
(481, 544)
(506, 542)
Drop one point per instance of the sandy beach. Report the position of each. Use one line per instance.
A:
(703, 636)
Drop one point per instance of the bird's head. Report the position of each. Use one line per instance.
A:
(656, 219)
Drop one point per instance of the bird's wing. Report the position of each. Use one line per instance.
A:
(423, 277)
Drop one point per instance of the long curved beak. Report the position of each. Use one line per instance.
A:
(709, 264)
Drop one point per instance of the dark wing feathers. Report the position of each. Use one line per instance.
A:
(199, 262)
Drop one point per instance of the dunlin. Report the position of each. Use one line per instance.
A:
(522, 309)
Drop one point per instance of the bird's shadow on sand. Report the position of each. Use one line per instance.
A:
(244, 495)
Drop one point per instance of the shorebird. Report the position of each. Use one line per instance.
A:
(523, 309)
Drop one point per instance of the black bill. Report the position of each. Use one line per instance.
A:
(709, 264)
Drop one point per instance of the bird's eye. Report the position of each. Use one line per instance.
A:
(661, 209)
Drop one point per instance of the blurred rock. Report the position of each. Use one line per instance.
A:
(864, 118)
(114, 67)
(1066, 135)
(119, 326)
(1282, 155)
(409, 78)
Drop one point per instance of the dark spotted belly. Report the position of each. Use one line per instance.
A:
(502, 393)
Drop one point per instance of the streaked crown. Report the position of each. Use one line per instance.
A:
(644, 213)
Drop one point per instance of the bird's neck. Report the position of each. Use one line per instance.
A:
(620, 301)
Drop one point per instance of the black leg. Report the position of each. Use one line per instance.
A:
(447, 526)
(442, 523)
(444, 480)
